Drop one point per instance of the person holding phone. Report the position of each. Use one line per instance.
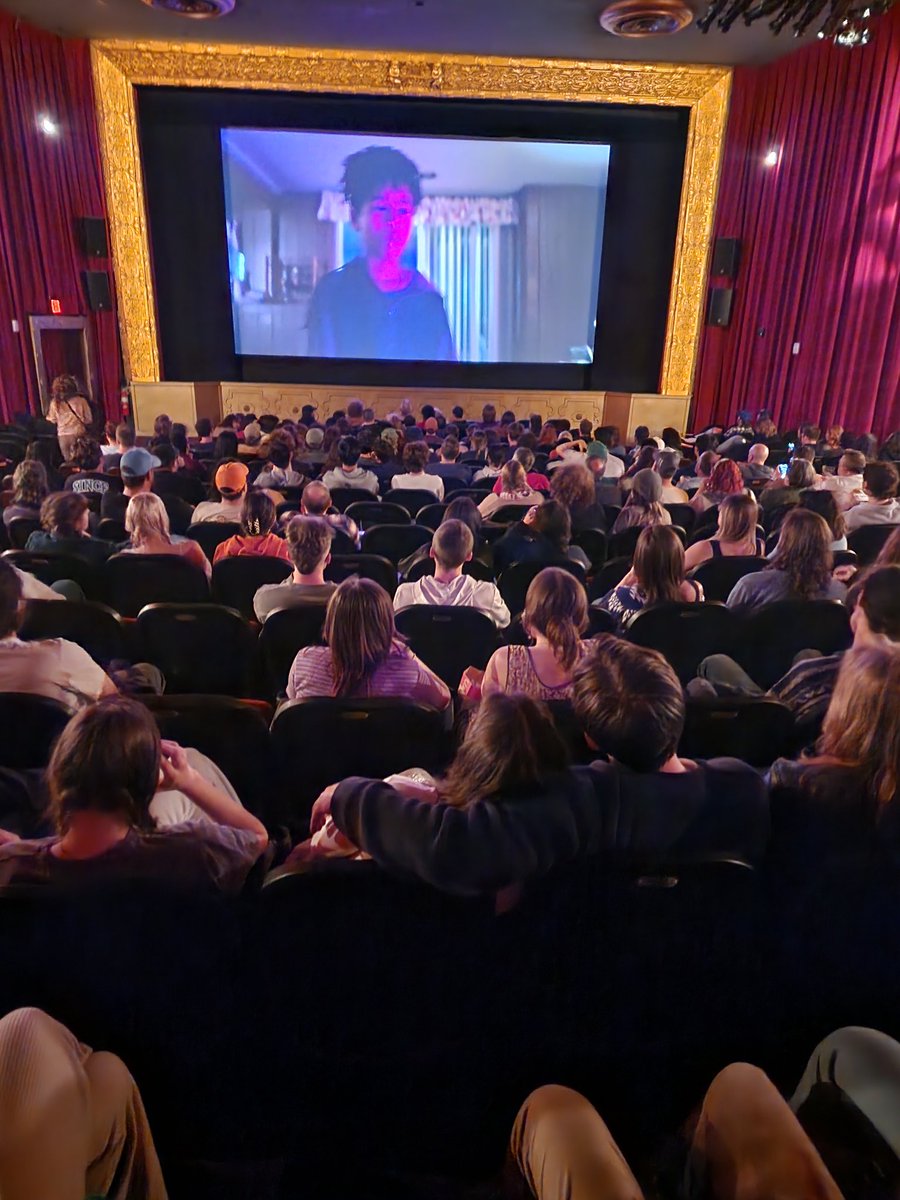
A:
(377, 306)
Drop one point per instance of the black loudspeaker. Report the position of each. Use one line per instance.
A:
(96, 286)
(92, 236)
(726, 256)
(718, 311)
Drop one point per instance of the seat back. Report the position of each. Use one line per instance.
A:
(198, 647)
(92, 626)
(412, 499)
(448, 639)
(609, 576)
(29, 726)
(594, 543)
(286, 631)
(395, 541)
(210, 534)
(754, 729)
(136, 580)
(515, 581)
(623, 543)
(374, 737)
(685, 633)
(773, 636)
(367, 513)
(343, 497)
(431, 515)
(717, 576)
(508, 514)
(366, 566)
(236, 580)
(868, 540)
(20, 530)
(425, 566)
(49, 567)
(683, 515)
(112, 531)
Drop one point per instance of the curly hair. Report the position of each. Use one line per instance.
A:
(30, 483)
(726, 479)
(573, 486)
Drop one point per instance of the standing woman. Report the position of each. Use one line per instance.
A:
(69, 411)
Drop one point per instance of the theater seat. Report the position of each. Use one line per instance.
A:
(425, 566)
(29, 725)
(20, 529)
(623, 543)
(717, 576)
(367, 566)
(320, 741)
(49, 567)
(235, 581)
(515, 581)
(395, 541)
(594, 543)
(136, 580)
(210, 534)
(284, 632)
(343, 497)
(868, 541)
(683, 515)
(412, 499)
(773, 636)
(198, 647)
(756, 730)
(431, 515)
(448, 639)
(94, 627)
(367, 513)
(685, 633)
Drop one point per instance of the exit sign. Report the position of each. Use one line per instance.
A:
(55, 307)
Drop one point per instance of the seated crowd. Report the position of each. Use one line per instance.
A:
(567, 735)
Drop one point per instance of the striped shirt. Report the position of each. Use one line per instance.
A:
(807, 687)
(401, 675)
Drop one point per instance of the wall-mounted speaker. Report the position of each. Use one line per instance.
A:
(726, 256)
(96, 286)
(92, 236)
(718, 310)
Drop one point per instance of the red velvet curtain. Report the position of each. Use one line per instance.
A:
(45, 183)
(820, 237)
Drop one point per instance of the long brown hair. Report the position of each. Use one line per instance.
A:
(61, 512)
(556, 606)
(106, 760)
(803, 553)
(659, 564)
(30, 483)
(862, 724)
(737, 518)
(360, 632)
(573, 486)
(511, 743)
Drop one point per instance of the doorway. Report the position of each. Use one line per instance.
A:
(63, 346)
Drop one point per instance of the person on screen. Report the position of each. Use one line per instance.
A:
(375, 306)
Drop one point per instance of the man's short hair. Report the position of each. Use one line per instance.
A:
(10, 599)
(166, 453)
(881, 479)
(316, 499)
(450, 448)
(268, 422)
(853, 461)
(879, 595)
(348, 451)
(309, 543)
(629, 703)
(355, 409)
(125, 435)
(452, 544)
(667, 463)
(203, 425)
(812, 433)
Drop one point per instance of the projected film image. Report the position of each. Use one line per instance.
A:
(426, 248)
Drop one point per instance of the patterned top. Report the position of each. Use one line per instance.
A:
(627, 600)
(521, 675)
(401, 675)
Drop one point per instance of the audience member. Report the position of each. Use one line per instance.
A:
(348, 473)
(363, 655)
(231, 484)
(824, 503)
(278, 472)
(496, 460)
(800, 568)
(65, 521)
(847, 485)
(147, 525)
(610, 437)
(29, 492)
(514, 490)
(807, 686)
(257, 537)
(125, 440)
(657, 576)
(754, 469)
(573, 487)
(736, 535)
(785, 493)
(315, 453)
(668, 462)
(452, 547)
(415, 459)
(162, 429)
(69, 411)
(881, 506)
(309, 544)
(448, 465)
(644, 504)
(103, 774)
(476, 455)
(535, 480)
(555, 616)
(598, 461)
(725, 479)
(463, 509)
(85, 476)
(315, 501)
(169, 481)
(544, 535)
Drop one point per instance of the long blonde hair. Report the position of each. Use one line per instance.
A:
(738, 515)
(862, 726)
(146, 518)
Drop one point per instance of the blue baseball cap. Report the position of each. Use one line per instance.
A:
(136, 463)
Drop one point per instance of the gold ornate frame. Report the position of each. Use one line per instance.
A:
(120, 66)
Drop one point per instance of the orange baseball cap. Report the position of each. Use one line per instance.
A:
(231, 477)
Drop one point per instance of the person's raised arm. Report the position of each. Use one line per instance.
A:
(180, 776)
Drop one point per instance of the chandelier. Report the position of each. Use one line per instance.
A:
(846, 22)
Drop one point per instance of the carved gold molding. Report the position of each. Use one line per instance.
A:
(121, 66)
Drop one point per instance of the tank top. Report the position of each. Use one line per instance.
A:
(521, 675)
(715, 548)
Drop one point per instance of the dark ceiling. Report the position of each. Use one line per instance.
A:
(534, 28)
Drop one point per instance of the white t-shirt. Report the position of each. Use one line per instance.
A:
(54, 668)
(462, 592)
(218, 510)
(428, 483)
(614, 468)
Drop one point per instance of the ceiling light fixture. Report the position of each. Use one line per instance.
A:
(646, 18)
(846, 22)
(197, 10)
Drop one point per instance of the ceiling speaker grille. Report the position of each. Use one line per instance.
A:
(646, 18)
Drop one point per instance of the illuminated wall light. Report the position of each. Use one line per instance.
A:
(771, 159)
(47, 125)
